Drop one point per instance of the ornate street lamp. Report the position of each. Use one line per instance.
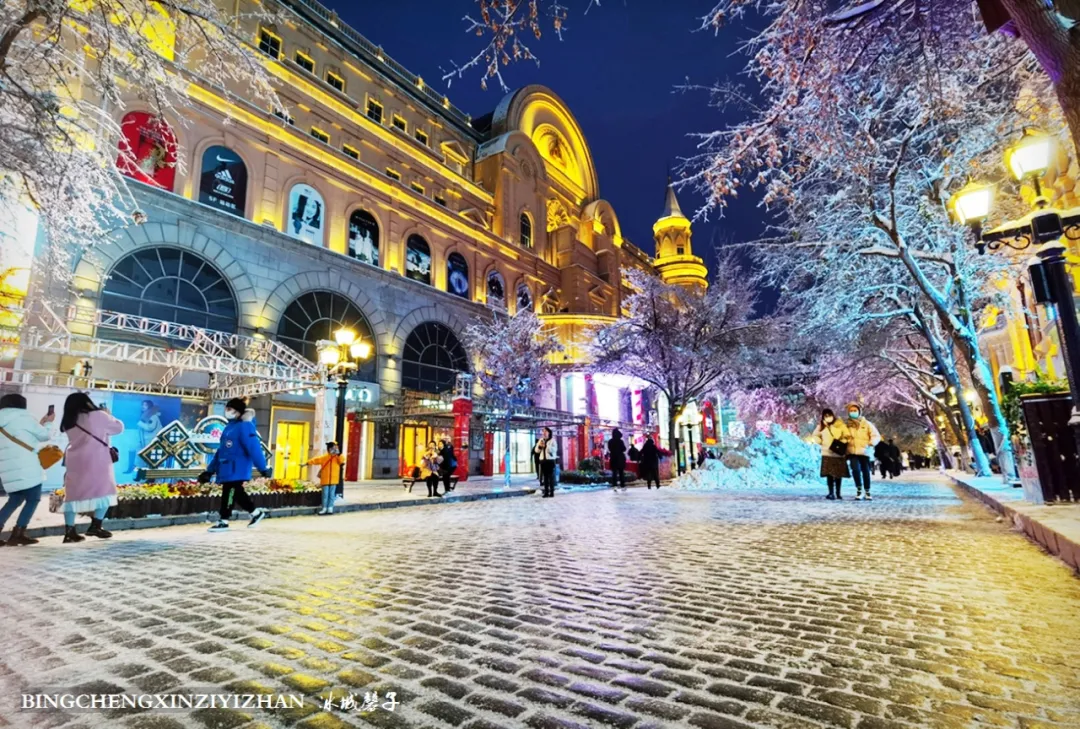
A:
(1045, 226)
(342, 357)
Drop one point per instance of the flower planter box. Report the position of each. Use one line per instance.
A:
(186, 505)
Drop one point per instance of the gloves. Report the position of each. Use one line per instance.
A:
(268, 473)
(205, 477)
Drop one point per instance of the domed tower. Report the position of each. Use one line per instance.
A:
(675, 259)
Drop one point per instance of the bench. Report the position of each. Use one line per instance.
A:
(408, 482)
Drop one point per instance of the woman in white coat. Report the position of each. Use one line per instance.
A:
(20, 471)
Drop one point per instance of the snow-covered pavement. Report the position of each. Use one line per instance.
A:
(717, 610)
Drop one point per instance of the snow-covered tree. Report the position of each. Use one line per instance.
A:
(683, 341)
(513, 355)
(68, 67)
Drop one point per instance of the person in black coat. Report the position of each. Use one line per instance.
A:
(884, 458)
(448, 465)
(650, 463)
(617, 459)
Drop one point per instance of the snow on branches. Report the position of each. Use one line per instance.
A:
(685, 342)
(68, 70)
(512, 355)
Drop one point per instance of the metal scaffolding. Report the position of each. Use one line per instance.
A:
(239, 365)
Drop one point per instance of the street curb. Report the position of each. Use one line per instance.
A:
(1052, 541)
(122, 525)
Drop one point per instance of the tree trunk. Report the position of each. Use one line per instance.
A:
(952, 377)
(673, 430)
(1057, 49)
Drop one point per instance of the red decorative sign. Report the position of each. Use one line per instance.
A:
(708, 423)
(462, 408)
(147, 150)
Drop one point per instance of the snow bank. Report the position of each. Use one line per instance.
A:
(769, 458)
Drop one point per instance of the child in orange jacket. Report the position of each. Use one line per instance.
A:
(331, 463)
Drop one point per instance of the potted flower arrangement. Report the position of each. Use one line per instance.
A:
(134, 501)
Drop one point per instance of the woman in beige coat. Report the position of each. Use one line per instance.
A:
(834, 467)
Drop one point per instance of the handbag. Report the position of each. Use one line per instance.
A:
(47, 456)
(838, 447)
(114, 452)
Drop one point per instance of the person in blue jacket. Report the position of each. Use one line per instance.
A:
(238, 453)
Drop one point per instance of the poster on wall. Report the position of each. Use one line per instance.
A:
(364, 237)
(708, 424)
(496, 291)
(524, 298)
(418, 260)
(457, 275)
(387, 440)
(145, 418)
(223, 184)
(306, 214)
(147, 150)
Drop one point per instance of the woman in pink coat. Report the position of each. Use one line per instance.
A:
(89, 481)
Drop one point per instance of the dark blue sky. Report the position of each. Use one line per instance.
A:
(616, 69)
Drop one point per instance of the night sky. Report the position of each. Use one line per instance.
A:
(616, 69)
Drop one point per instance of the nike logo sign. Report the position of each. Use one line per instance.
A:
(226, 160)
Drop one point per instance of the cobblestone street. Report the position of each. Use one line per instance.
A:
(644, 609)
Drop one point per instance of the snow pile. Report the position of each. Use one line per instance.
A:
(769, 458)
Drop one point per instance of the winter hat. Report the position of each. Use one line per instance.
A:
(854, 406)
(331, 444)
(616, 433)
(238, 404)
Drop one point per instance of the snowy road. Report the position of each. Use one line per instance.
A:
(644, 609)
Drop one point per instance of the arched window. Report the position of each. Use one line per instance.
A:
(526, 230)
(418, 260)
(173, 285)
(147, 150)
(457, 275)
(223, 184)
(432, 359)
(315, 316)
(496, 290)
(364, 237)
(524, 298)
(307, 211)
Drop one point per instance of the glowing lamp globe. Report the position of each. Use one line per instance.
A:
(360, 350)
(329, 356)
(344, 337)
(971, 204)
(1030, 156)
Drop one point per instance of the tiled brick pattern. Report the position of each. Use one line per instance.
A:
(645, 609)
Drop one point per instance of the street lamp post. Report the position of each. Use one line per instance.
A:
(1044, 226)
(342, 357)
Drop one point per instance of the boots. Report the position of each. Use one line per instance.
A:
(70, 535)
(96, 530)
(19, 538)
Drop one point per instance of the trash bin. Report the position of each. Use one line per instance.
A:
(1054, 445)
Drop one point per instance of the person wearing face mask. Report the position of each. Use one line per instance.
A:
(239, 452)
(833, 435)
(331, 463)
(864, 436)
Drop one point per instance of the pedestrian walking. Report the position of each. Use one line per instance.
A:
(617, 460)
(864, 437)
(89, 477)
(239, 453)
(633, 454)
(650, 463)
(429, 469)
(330, 464)
(833, 435)
(883, 456)
(548, 451)
(447, 466)
(894, 459)
(905, 461)
(21, 435)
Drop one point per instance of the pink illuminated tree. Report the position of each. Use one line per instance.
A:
(513, 356)
(686, 342)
